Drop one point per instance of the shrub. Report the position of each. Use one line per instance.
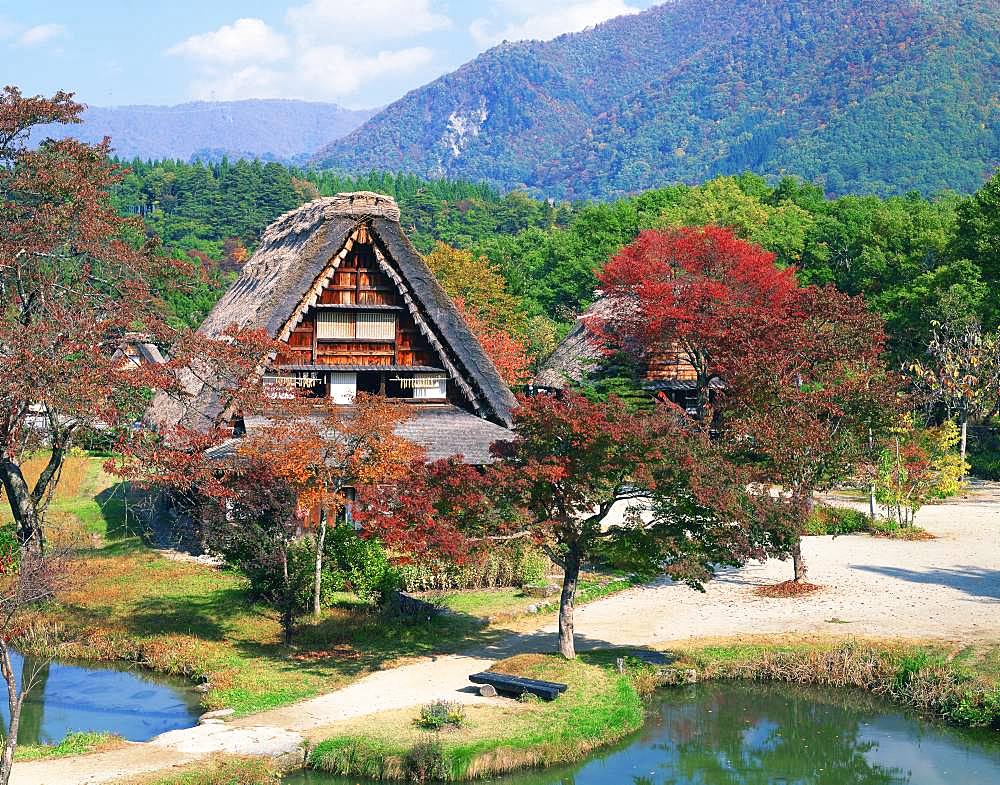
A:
(510, 564)
(836, 521)
(441, 714)
(985, 464)
(358, 564)
(425, 762)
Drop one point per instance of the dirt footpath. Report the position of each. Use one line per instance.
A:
(947, 588)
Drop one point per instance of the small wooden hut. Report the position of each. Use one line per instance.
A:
(356, 309)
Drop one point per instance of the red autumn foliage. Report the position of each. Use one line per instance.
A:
(801, 367)
(573, 460)
(704, 291)
(76, 279)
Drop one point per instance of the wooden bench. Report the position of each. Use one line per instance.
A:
(492, 683)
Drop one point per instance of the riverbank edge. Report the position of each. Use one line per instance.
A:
(928, 678)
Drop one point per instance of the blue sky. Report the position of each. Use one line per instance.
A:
(359, 53)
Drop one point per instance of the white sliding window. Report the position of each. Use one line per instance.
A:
(376, 324)
(334, 324)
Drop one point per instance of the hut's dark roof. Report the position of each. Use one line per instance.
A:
(442, 430)
(579, 354)
(297, 249)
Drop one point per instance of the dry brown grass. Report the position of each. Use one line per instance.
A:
(787, 589)
(71, 476)
(216, 771)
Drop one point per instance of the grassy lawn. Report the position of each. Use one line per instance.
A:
(599, 707)
(504, 605)
(126, 602)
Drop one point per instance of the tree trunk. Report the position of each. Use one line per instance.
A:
(318, 583)
(14, 705)
(287, 600)
(965, 437)
(22, 505)
(798, 564)
(872, 509)
(566, 600)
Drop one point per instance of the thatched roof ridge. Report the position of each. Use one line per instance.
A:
(296, 250)
(579, 354)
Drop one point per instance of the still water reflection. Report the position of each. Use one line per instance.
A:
(136, 705)
(753, 734)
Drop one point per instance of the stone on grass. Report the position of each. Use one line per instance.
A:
(218, 714)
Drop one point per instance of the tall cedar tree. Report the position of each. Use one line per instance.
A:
(573, 467)
(75, 280)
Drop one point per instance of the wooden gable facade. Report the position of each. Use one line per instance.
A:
(356, 332)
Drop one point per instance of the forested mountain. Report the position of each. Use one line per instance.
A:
(208, 130)
(863, 96)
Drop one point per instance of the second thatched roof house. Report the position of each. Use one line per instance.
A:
(356, 309)
(583, 355)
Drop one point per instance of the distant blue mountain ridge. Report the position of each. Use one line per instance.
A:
(272, 130)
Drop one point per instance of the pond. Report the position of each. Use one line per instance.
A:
(736, 733)
(68, 696)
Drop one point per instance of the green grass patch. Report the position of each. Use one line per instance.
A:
(126, 602)
(73, 744)
(600, 707)
(838, 521)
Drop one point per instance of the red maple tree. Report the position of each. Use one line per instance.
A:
(799, 369)
(76, 280)
(583, 479)
(701, 291)
(802, 413)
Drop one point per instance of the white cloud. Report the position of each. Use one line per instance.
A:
(244, 41)
(249, 59)
(250, 81)
(7, 28)
(331, 71)
(40, 34)
(553, 19)
(338, 21)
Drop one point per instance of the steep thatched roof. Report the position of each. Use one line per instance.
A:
(578, 356)
(296, 255)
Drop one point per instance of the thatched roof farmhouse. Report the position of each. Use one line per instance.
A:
(356, 308)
